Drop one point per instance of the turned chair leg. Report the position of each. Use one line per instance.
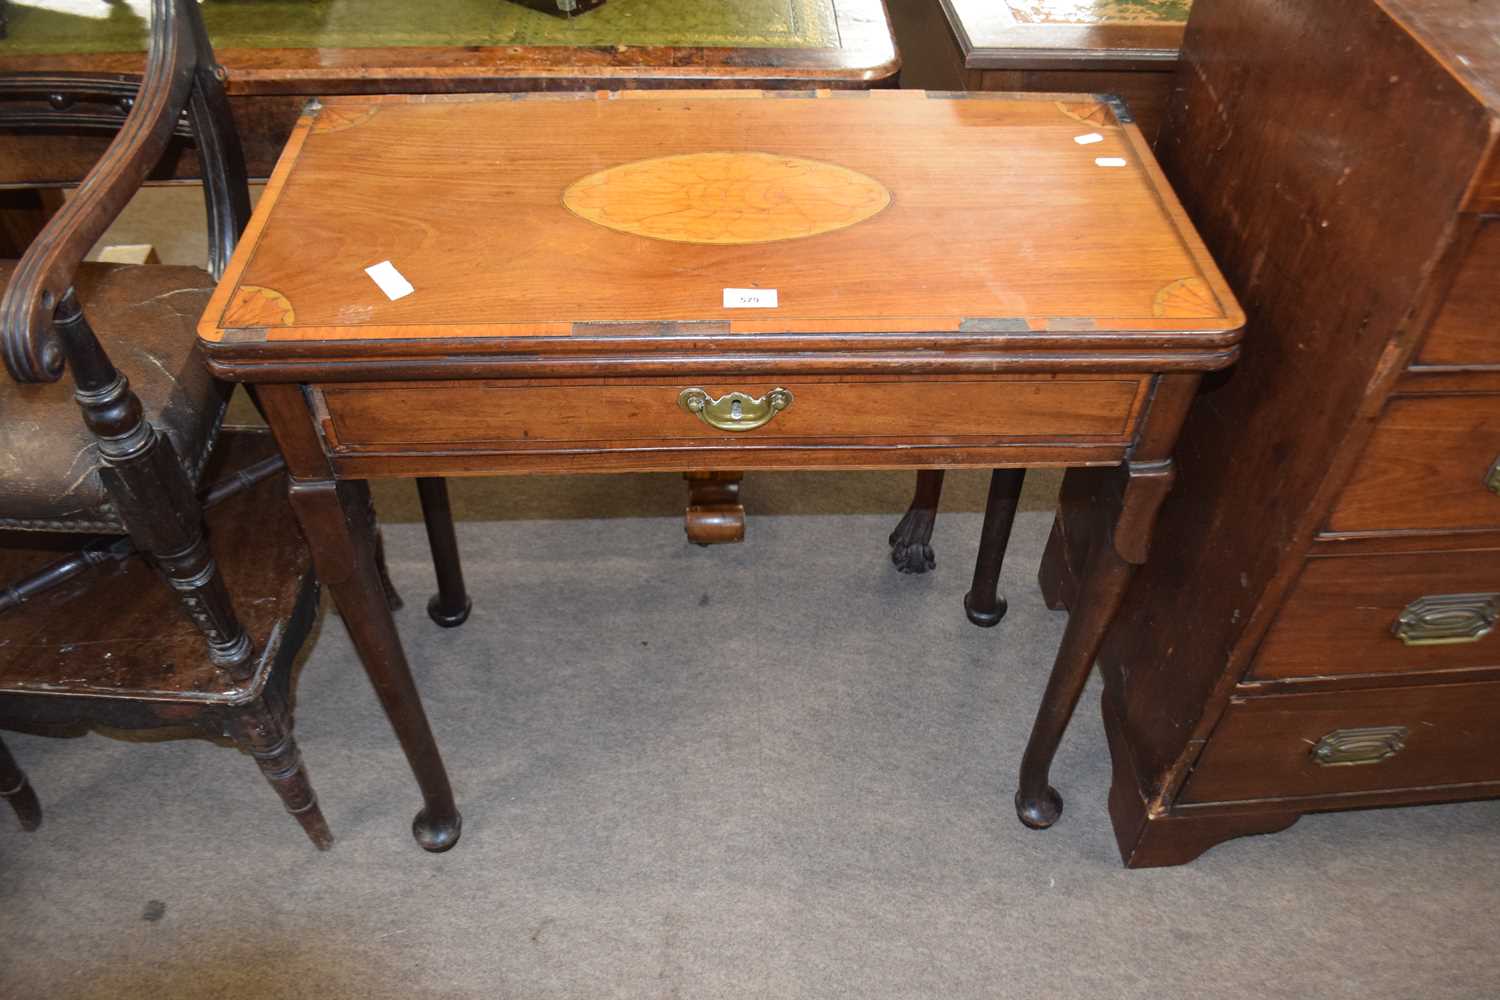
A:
(151, 492)
(266, 732)
(16, 790)
(983, 603)
(911, 550)
(450, 606)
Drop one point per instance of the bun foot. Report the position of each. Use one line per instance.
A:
(448, 619)
(985, 619)
(436, 836)
(1041, 812)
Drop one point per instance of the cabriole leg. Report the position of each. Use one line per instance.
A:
(335, 519)
(1037, 802)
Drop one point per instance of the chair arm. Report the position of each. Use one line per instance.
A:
(45, 273)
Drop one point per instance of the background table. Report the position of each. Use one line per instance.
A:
(279, 53)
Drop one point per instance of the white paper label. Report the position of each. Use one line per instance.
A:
(1109, 161)
(1088, 139)
(390, 280)
(750, 298)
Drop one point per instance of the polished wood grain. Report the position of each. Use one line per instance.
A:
(1085, 246)
(1467, 331)
(524, 415)
(1261, 747)
(1338, 618)
(1015, 303)
(1424, 468)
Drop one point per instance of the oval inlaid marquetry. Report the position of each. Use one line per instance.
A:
(1186, 298)
(253, 306)
(727, 198)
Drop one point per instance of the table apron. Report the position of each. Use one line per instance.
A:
(456, 427)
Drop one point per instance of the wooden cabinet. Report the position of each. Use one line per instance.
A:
(1316, 629)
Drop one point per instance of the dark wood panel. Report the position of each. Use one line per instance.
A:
(521, 415)
(1262, 748)
(1338, 619)
(1467, 331)
(1425, 468)
(1335, 294)
(930, 56)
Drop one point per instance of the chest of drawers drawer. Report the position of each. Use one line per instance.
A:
(1386, 614)
(1339, 743)
(871, 412)
(1467, 330)
(1433, 464)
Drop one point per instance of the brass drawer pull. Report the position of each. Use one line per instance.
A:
(1369, 745)
(1441, 619)
(735, 411)
(1492, 478)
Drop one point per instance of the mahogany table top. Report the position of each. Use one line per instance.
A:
(712, 217)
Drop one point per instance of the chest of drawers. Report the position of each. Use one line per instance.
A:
(1317, 627)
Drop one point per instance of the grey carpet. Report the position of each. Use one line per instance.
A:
(778, 769)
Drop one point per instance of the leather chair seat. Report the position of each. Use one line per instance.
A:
(145, 316)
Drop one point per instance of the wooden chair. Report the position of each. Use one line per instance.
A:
(104, 642)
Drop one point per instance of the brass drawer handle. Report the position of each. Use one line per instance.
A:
(1369, 745)
(735, 411)
(1492, 478)
(1441, 619)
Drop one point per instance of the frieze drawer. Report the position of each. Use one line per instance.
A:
(712, 413)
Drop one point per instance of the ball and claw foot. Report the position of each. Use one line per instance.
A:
(985, 619)
(436, 836)
(1039, 813)
(910, 548)
(439, 613)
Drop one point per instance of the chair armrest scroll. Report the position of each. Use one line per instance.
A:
(46, 271)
